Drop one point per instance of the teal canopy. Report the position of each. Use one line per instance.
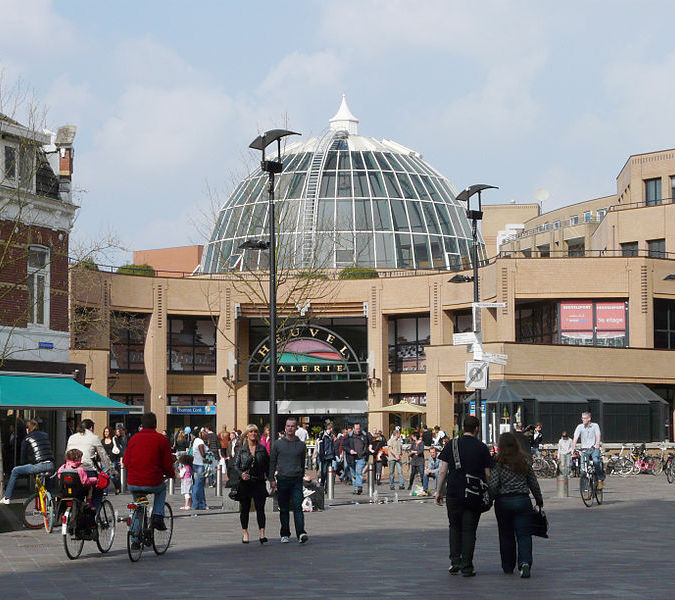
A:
(35, 391)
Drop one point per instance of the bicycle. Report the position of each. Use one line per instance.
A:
(669, 469)
(588, 481)
(147, 536)
(78, 523)
(38, 508)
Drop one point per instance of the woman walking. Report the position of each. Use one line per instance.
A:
(252, 463)
(109, 446)
(511, 481)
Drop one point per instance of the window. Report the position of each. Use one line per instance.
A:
(587, 216)
(574, 220)
(556, 224)
(601, 213)
(653, 191)
(22, 157)
(544, 250)
(656, 248)
(672, 188)
(192, 400)
(407, 338)
(575, 247)
(593, 323)
(664, 324)
(629, 249)
(127, 341)
(37, 283)
(191, 345)
(537, 323)
(10, 162)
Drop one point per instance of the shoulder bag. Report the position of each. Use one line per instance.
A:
(476, 493)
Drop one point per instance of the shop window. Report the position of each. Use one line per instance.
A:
(537, 323)
(419, 399)
(407, 338)
(653, 191)
(127, 341)
(629, 249)
(192, 400)
(37, 282)
(593, 323)
(664, 324)
(462, 321)
(191, 345)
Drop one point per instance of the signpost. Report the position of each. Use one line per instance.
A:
(458, 339)
(477, 375)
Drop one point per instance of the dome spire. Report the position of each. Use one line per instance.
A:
(344, 120)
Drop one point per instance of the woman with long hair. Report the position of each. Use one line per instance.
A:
(252, 463)
(109, 445)
(511, 481)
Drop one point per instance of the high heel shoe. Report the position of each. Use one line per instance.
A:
(263, 540)
(243, 541)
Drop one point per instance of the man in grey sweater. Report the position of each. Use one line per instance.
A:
(287, 468)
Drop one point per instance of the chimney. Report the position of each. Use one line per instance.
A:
(64, 143)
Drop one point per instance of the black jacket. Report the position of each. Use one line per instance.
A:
(257, 468)
(349, 445)
(327, 449)
(36, 448)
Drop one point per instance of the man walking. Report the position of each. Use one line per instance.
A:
(326, 451)
(416, 459)
(356, 451)
(463, 521)
(396, 459)
(588, 434)
(287, 468)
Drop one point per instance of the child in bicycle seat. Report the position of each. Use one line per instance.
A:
(74, 463)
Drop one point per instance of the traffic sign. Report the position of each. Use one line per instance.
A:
(477, 375)
(489, 304)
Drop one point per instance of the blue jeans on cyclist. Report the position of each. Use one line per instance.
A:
(596, 456)
(159, 492)
(43, 467)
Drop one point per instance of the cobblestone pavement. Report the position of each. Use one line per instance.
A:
(623, 549)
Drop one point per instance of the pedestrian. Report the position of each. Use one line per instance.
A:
(439, 434)
(426, 435)
(326, 452)
(181, 444)
(564, 454)
(511, 480)
(395, 457)
(265, 438)
(416, 459)
(302, 434)
(523, 440)
(185, 475)
(109, 446)
(223, 441)
(378, 448)
(287, 469)
(462, 519)
(432, 469)
(252, 464)
(198, 469)
(356, 451)
(537, 439)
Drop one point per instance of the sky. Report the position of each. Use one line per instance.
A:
(524, 95)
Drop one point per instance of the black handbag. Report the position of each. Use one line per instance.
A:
(234, 494)
(538, 522)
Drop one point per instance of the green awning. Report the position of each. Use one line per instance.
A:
(34, 391)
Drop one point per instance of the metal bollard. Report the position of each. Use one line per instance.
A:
(219, 480)
(563, 486)
(331, 481)
(371, 477)
(123, 477)
(172, 483)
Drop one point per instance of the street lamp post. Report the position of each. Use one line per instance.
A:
(271, 167)
(474, 216)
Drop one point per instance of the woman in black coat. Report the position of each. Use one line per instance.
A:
(251, 464)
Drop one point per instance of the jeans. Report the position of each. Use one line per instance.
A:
(463, 523)
(43, 467)
(357, 480)
(399, 469)
(513, 523)
(414, 469)
(137, 491)
(425, 481)
(289, 496)
(198, 495)
(324, 470)
(378, 471)
(596, 456)
(348, 473)
(564, 464)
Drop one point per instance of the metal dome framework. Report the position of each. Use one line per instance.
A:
(345, 200)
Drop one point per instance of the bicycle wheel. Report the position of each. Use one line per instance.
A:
(32, 515)
(585, 489)
(597, 492)
(133, 551)
(105, 527)
(669, 471)
(162, 539)
(658, 466)
(625, 466)
(71, 543)
(48, 515)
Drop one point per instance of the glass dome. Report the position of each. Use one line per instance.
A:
(345, 200)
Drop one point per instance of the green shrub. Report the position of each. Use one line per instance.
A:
(145, 270)
(358, 273)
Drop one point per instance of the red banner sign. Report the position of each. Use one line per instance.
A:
(576, 316)
(610, 316)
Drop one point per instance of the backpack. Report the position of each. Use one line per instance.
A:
(476, 493)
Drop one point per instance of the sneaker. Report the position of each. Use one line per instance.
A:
(285, 539)
(524, 571)
(454, 570)
(601, 484)
(158, 523)
(470, 573)
(401, 487)
(303, 538)
(4, 500)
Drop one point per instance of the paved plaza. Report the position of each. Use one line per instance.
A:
(623, 549)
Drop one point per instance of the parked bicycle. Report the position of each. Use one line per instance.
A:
(38, 508)
(669, 469)
(588, 481)
(544, 466)
(140, 532)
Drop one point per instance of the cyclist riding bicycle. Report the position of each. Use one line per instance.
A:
(588, 434)
(148, 460)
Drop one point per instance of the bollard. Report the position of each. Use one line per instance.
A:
(371, 477)
(172, 483)
(123, 477)
(563, 486)
(331, 481)
(219, 480)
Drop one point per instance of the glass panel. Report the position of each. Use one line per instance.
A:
(421, 190)
(10, 162)
(653, 191)
(331, 161)
(384, 251)
(344, 249)
(343, 162)
(382, 161)
(370, 161)
(344, 215)
(357, 160)
(450, 244)
(365, 252)
(256, 190)
(282, 187)
(344, 184)
(289, 162)
(392, 186)
(288, 216)
(26, 168)
(430, 216)
(430, 188)
(325, 218)
(415, 215)
(360, 184)
(295, 190)
(400, 218)
(437, 257)
(40, 299)
(404, 251)
(457, 221)
(406, 186)
(31, 298)
(376, 184)
(381, 215)
(304, 164)
(327, 185)
(362, 215)
(408, 164)
(234, 221)
(37, 259)
(393, 162)
(446, 227)
(421, 252)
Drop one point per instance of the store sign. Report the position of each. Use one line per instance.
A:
(576, 316)
(191, 410)
(610, 316)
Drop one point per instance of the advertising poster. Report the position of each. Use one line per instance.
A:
(610, 316)
(576, 316)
